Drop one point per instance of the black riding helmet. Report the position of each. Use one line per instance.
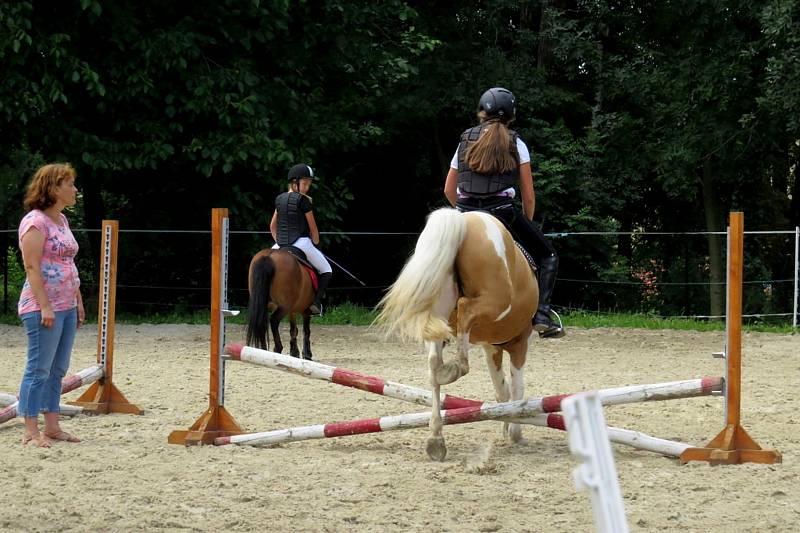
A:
(301, 171)
(500, 103)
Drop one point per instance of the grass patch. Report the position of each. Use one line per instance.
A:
(644, 321)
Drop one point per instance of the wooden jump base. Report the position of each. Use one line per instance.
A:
(102, 397)
(506, 411)
(399, 391)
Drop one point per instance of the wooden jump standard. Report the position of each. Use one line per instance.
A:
(733, 445)
(103, 396)
(215, 421)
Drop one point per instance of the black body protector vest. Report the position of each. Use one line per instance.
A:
(476, 184)
(292, 223)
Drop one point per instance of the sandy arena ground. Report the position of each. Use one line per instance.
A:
(124, 476)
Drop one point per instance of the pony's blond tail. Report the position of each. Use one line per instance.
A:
(407, 309)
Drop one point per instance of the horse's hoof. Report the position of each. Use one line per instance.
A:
(436, 448)
(513, 432)
(307, 356)
(295, 353)
(448, 373)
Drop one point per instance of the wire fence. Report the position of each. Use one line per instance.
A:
(664, 274)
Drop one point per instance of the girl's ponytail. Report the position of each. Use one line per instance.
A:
(492, 153)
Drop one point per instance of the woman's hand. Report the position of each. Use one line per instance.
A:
(48, 316)
(81, 313)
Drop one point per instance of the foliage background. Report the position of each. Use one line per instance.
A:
(656, 116)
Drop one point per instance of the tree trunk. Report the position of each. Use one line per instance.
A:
(442, 159)
(716, 249)
(545, 45)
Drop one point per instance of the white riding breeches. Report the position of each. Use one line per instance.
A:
(313, 255)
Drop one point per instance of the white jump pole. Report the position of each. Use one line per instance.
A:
(407, 393)
(68, 384)
(507, 411)
(64, 409)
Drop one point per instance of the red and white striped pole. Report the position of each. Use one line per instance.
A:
(68, 384)
(342, 376)
(376, 385)
(508, 411)
(64, 409)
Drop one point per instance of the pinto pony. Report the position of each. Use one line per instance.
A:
(466, 280)
(279, 285)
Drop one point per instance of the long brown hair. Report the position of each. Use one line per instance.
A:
(492, 153)
(41, 190)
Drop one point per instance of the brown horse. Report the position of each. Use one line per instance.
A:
(468, 280)
(279, 284)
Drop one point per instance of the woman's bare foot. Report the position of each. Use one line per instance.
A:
(41, 441)
(62, 436)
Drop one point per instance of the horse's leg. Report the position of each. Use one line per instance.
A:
(307, 336)
(435, 448)
(452, 370)
(274, 322)
(293, 350)
(518, 350)
(494, 362)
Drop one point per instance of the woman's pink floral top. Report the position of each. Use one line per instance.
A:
(61, 281)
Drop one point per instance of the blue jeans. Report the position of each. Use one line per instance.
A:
(49, 350)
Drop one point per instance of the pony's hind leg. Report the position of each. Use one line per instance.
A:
(494, 362)
(502, 390)
(452, 370)
(517, 350)
(274, 322)
(307, 336)
(293, 350)
(435, 447)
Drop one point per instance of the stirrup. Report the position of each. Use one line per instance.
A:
(550, 330)
(315, 309)
(552, 333)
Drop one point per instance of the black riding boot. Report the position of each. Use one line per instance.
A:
(322, 284)
(543, 320)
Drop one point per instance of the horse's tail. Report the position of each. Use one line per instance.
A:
(408, 308)
(261, 274)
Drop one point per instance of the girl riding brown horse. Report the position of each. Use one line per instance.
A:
(279, 286)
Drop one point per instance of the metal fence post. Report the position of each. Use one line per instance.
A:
(796, 268)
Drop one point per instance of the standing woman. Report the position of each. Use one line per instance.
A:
(293, 224)
(50, 305)
(490, 161)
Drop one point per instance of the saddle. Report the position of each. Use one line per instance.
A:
(300, 255)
